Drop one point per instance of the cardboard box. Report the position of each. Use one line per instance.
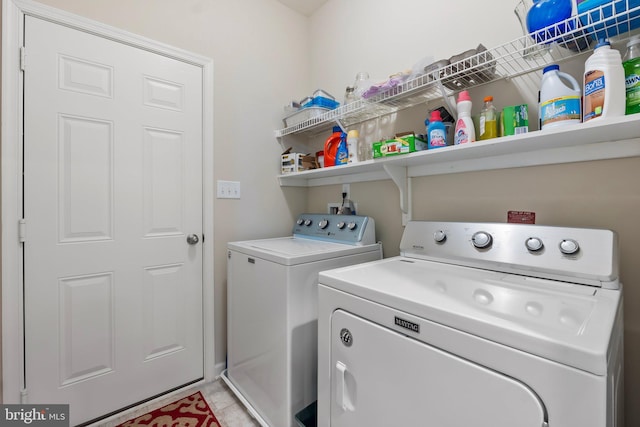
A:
(401, 144)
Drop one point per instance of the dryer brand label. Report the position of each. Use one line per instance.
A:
(414, 327)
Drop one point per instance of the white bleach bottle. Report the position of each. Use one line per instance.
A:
(604, 86)
(559, 98)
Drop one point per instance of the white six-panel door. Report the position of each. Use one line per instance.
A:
(112, 189)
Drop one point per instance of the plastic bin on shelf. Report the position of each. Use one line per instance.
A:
(304, 114)
(599, 10)
(321, 101)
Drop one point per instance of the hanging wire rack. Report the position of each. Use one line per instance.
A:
(615, 20)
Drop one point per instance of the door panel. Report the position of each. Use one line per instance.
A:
(112, 187)
(381, 377)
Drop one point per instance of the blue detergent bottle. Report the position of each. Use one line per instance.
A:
(436, 131)
(342, 154)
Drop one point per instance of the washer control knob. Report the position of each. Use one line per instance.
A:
(307, 222)
(323, 224)
(534, 244)
(439, 236)
(352, 226)
(300, 221)
(569, 247)
(341, 225)
(481, 239)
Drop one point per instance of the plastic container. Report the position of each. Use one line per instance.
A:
(436, 131)
(604, 89)
(631, 65)
(331, 147)
(321, 101)
(544, 13)
(465, 130)
(488, 120)
(559, 98)
(603, 9)
(352, 146)
(342, 153)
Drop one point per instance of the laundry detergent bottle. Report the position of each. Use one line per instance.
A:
(436, 131)
(559, 98)
(331, 146)
(604, 88)
(465, 130)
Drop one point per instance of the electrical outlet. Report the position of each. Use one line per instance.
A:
(228, 190)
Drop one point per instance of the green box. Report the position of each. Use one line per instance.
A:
(401, 144)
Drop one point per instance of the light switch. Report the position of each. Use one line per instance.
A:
(228, 190)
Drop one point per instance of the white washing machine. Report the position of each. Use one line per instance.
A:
(272, 310)
(480, 325)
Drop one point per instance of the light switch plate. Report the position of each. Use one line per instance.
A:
(228, 190)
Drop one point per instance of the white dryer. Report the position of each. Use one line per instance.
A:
(272, 310)
(484, 325)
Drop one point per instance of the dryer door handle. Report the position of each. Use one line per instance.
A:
(342, 393)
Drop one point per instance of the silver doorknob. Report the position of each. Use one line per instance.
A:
(192, 239)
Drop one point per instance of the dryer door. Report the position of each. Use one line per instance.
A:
(383, 378)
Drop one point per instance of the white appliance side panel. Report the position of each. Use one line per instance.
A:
(257, 333)
(272, 318)
(303, 325)
(418, 384)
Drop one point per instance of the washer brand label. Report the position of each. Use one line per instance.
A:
(414, 327)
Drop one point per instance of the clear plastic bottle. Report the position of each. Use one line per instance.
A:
(488, 123)
(465, 130)
(631, 64)
(349, 95)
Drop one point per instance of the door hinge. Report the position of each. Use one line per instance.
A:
(22, 230)
(23, 58)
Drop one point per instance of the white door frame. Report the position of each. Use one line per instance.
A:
(13, 12)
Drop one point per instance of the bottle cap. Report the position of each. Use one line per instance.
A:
(435, 116)
(337, 129)
(602, 42)
(488, 98)
(550, 68)
(464, 96)
(353, 134)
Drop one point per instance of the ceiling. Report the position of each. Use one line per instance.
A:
(306, 7)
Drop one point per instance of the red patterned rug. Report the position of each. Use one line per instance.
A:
(190, 411)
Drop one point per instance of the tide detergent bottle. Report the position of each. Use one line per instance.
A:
(331, 146)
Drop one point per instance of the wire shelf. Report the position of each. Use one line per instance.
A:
(553, 44)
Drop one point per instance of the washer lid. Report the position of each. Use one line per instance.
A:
(568, 323)
(295, 250)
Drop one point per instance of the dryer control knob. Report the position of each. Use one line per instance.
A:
(569, 247)
(307, 222)
(323, 224)
(300, 221)
(352, 226)
(341, 225)
(481, 239)
(439, 236)
(534, 244)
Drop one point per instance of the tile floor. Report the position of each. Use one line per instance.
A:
(224, 404)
